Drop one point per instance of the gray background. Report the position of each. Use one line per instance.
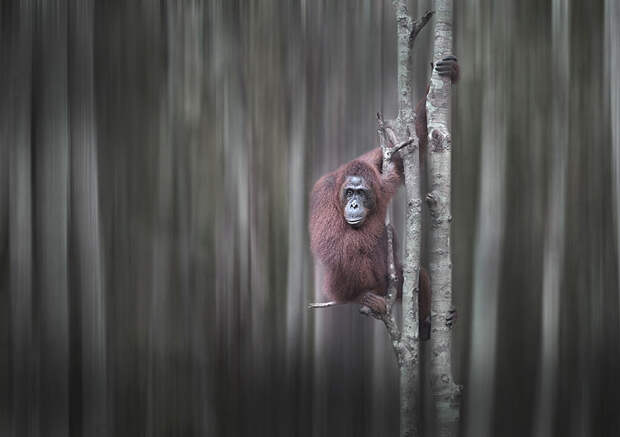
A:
(155, 164)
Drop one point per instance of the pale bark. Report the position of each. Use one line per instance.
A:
(556, 218)
(445, 391)
(407, 30)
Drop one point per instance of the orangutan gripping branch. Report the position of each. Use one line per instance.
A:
(348, 235)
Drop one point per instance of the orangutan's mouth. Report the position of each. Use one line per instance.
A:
(355, 222)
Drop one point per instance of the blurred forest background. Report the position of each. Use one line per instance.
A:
(155, 164)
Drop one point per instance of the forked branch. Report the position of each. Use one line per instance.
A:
(386, 133)
(418, 25)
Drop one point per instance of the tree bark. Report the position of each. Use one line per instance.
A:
(445, 391)
(407, 29)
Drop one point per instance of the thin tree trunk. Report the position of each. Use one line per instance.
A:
(554, 236)
(85, 217)
(409, 360)
(445, 391)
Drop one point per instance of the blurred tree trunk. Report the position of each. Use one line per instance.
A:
(612, 56)
(174, 236)
(17, 128)
(85, 221)
(297, 364)
(553, 258)
(52, 215)
(488, 245)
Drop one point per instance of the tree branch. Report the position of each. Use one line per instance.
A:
(418, 25)
(387, 133)
(407, 347)
(388, 317)
(331, 303)
(395, 149)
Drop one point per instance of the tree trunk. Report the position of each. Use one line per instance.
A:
(445, 391)
(554, 236)
(409, 360)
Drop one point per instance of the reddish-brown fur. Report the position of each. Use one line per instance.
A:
(355, 260)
